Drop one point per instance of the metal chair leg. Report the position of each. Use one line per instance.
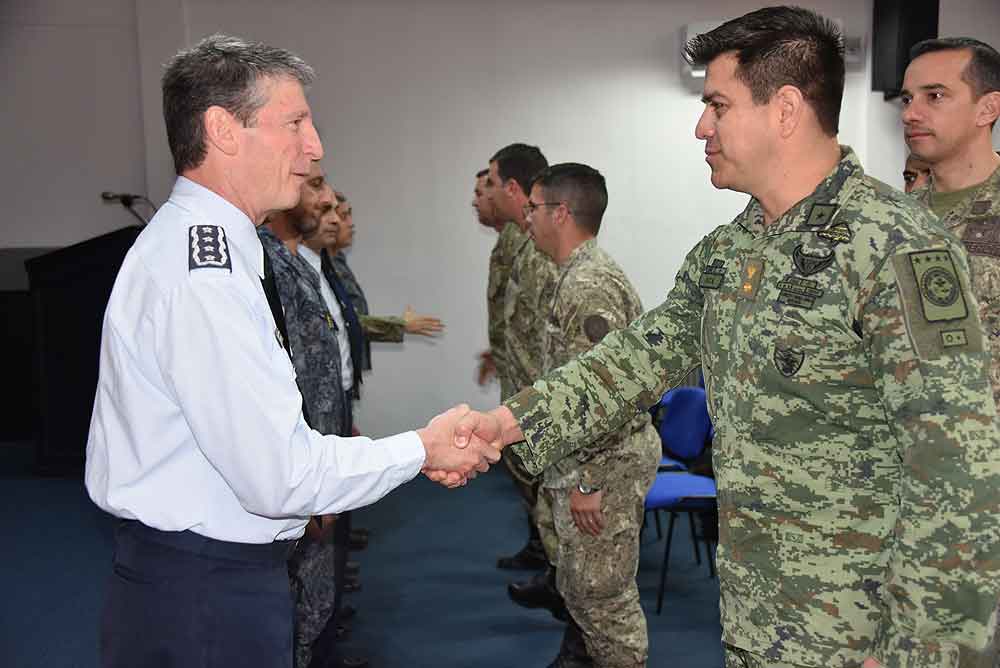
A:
(694, 539)
(666, 560)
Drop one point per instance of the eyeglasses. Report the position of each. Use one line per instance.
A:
(531, 207)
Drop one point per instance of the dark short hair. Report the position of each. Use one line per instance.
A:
(582, 188)
(983, 71)
(520, 162)
(219, 71)
(782, 46)
(481, 173)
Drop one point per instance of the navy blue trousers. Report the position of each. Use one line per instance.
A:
(180, 600)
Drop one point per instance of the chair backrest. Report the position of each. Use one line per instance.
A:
(685, 428)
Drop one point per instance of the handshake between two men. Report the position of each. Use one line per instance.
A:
(462, 443)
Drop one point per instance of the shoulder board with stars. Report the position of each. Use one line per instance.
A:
(208, 248)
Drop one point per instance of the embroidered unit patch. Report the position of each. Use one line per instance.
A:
(983, 237)
(712, 275)
(208, 248)
(810, 264)
(937, 281)
(788, 361)
(820, 214)
(799, 292)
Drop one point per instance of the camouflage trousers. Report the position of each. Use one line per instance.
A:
(740, 658)
(596, 575)
(311, 571)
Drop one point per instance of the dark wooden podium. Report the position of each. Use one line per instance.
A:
(70, 289)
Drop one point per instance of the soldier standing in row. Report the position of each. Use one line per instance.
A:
(951, 102)
(846, 373)
(590, 504)
(520, 280)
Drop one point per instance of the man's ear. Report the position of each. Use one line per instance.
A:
(221, 129)
(989, 109)
(789, 105)
(512, 188)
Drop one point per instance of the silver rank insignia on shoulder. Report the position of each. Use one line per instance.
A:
(208, 248)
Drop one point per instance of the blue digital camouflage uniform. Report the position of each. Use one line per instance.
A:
(316, 357)
(856, 439)
(596, 574)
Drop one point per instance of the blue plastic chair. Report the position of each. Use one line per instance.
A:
(680, 492)
(685, 431)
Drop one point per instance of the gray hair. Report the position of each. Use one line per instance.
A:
(219, 71)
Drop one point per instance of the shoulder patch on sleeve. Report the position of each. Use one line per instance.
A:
(208, 248)
(937, 312)
(596, 327)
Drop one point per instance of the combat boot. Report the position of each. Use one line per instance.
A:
(531, 557)
(540, 592)
(573, 650)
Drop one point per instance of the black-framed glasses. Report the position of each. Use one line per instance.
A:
(531, 207)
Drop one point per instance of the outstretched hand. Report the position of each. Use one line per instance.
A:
(450, 465)
(423, 325)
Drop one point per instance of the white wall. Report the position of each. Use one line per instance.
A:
(70, 122)
(413, 98)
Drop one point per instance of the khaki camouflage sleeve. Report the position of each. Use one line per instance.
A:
(593, 312)
(929, 363)
(387, 329)
(629, 370)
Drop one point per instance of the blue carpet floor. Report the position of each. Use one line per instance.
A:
(431, 596)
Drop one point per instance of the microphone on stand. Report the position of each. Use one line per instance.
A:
(127, 200)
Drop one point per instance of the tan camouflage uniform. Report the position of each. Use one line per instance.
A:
(528, 291)
(855, 450)
(501, 260)
(596, 575)
(976, 221)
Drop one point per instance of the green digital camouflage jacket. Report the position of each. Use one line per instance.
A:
(593, 297)
(501, 260)
(527, 293)
(977, 223)
(856, 439)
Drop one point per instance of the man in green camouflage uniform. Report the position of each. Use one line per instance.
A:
(951, 101)
(520, 285)
(590, 505)
(846, 373)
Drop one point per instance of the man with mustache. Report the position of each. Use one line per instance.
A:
(846, 373)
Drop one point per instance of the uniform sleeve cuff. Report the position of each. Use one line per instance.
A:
(408, 451)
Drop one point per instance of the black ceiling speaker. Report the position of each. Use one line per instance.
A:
(897, 26)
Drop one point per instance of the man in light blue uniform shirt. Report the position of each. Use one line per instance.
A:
(197, 440)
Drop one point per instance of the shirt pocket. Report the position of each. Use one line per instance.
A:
(813, 373)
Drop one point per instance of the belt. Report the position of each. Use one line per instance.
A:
(189, 541)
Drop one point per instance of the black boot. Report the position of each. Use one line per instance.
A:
(531, 557)
(573, 651)
(540, 592)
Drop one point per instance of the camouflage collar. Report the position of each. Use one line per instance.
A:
(815, 211)
(985, 200)
(584, 250)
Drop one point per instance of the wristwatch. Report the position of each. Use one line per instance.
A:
(586, 490)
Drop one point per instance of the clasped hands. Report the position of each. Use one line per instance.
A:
(460, 443)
